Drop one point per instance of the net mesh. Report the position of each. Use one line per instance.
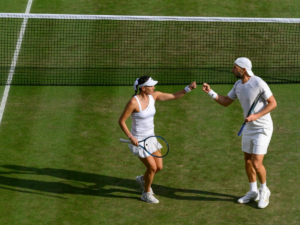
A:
(101, 51)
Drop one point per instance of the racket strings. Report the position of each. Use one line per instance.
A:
(155, 144)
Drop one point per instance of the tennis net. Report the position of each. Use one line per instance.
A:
(115, 50)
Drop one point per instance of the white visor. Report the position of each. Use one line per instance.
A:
(149, 83)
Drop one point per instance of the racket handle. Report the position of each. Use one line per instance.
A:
(241, 130)
(124, 140)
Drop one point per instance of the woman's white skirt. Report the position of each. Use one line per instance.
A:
(152, 144)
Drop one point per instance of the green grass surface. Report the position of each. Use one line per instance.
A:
(233, 8)
(214, 8)
(2, 89)
(13, 6)
(61, 162)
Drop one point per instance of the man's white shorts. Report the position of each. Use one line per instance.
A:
(256, 141)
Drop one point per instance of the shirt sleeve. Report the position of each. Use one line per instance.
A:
(265, 87)
(232, 93)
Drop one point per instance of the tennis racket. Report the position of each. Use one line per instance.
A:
(250, 111)
(153, 142)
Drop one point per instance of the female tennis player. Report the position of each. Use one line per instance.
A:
(141, 107)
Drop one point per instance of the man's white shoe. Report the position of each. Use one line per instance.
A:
(264, 198)
(140, 181)
(250, 196)
(148, 197)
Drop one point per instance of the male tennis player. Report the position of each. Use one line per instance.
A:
(259, 126)
(142, 109)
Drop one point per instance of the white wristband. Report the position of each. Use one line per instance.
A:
(187, 89)
(213, 94)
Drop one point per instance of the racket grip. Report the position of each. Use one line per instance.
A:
(124, 140)
(241, 130)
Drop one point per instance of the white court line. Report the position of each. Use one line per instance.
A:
(14, 61)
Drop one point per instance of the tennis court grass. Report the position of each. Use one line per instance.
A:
(61, 162)
(13, 6)
(234, 8)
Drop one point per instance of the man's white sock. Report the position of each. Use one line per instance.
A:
(263, 186)
(253, 186)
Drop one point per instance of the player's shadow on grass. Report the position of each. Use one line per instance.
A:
(49, 181)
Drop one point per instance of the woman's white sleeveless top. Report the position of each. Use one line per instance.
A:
(143, 120)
